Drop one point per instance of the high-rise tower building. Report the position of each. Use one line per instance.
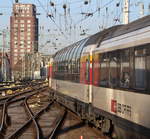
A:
(24, 34)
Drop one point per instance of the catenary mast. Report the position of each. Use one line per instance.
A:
(126, 11)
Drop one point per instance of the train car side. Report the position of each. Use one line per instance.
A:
(105, 79)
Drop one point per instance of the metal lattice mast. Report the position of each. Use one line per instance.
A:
(126, 11)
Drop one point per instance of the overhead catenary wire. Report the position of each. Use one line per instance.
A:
(97, 7)
(52, 19)
(86, 17)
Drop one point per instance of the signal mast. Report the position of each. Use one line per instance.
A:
(126, 11)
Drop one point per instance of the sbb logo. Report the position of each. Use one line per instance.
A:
(113, 106)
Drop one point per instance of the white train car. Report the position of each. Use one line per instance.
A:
(105, 79)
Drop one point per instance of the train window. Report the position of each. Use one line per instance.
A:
(125, 68)
(72, 52)
(59, 56)
(70, 60)
(75, 52)
(148, 67)
(78, 65)
(113, 69)
(67, 64)
(140, 68)
(68, 53)
(56, 56)
(104, 69)
(87, 70)
(81, 48)
(59, 61)
(64, 53)
(63, 60)
(74, 59)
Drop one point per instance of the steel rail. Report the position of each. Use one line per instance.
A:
(8, 101)
(19, 131)
(38, 132)
(21, 86)
(24, 92)
(38, 129)
(3, 119)
(58, 124)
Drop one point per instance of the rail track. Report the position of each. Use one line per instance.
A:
(32, 113)
(29, 115)
(25, 88)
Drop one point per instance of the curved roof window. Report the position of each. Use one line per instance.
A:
(60, 55)
(72, 52)
(76, 50)
(65, 53)
(82, 45)
(68, 53)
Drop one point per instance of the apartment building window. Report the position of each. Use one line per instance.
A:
(21, 46)
(15, 46)
(28, 29)
(16, 21)
(21, 55)
(21, 21)
(22, 33)
(22, 25)
(16, 50)
(29, 42)
(28, 50)
(22, 50)
(29, 21)
(28, 25)
(28, 11)
(22, 30)
(28, 46)
(28, 33)
(15, 25)
(22, 38)
(15, 33)
(28, 38)
(15, 38)
(21, 42)
(15, 29)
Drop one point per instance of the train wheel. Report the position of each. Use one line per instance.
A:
(106, 126)
(118, 133)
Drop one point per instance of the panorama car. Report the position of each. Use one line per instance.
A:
(105, 79)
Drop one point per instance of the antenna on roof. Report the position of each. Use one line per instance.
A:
(149, 8)
(16, 1)
(141, 5)
(126, 11)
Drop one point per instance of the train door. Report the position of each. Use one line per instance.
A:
(50, 72)
(87, 70)
(88, 75)
(84, 70)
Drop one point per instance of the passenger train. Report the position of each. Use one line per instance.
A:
(105, 79)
